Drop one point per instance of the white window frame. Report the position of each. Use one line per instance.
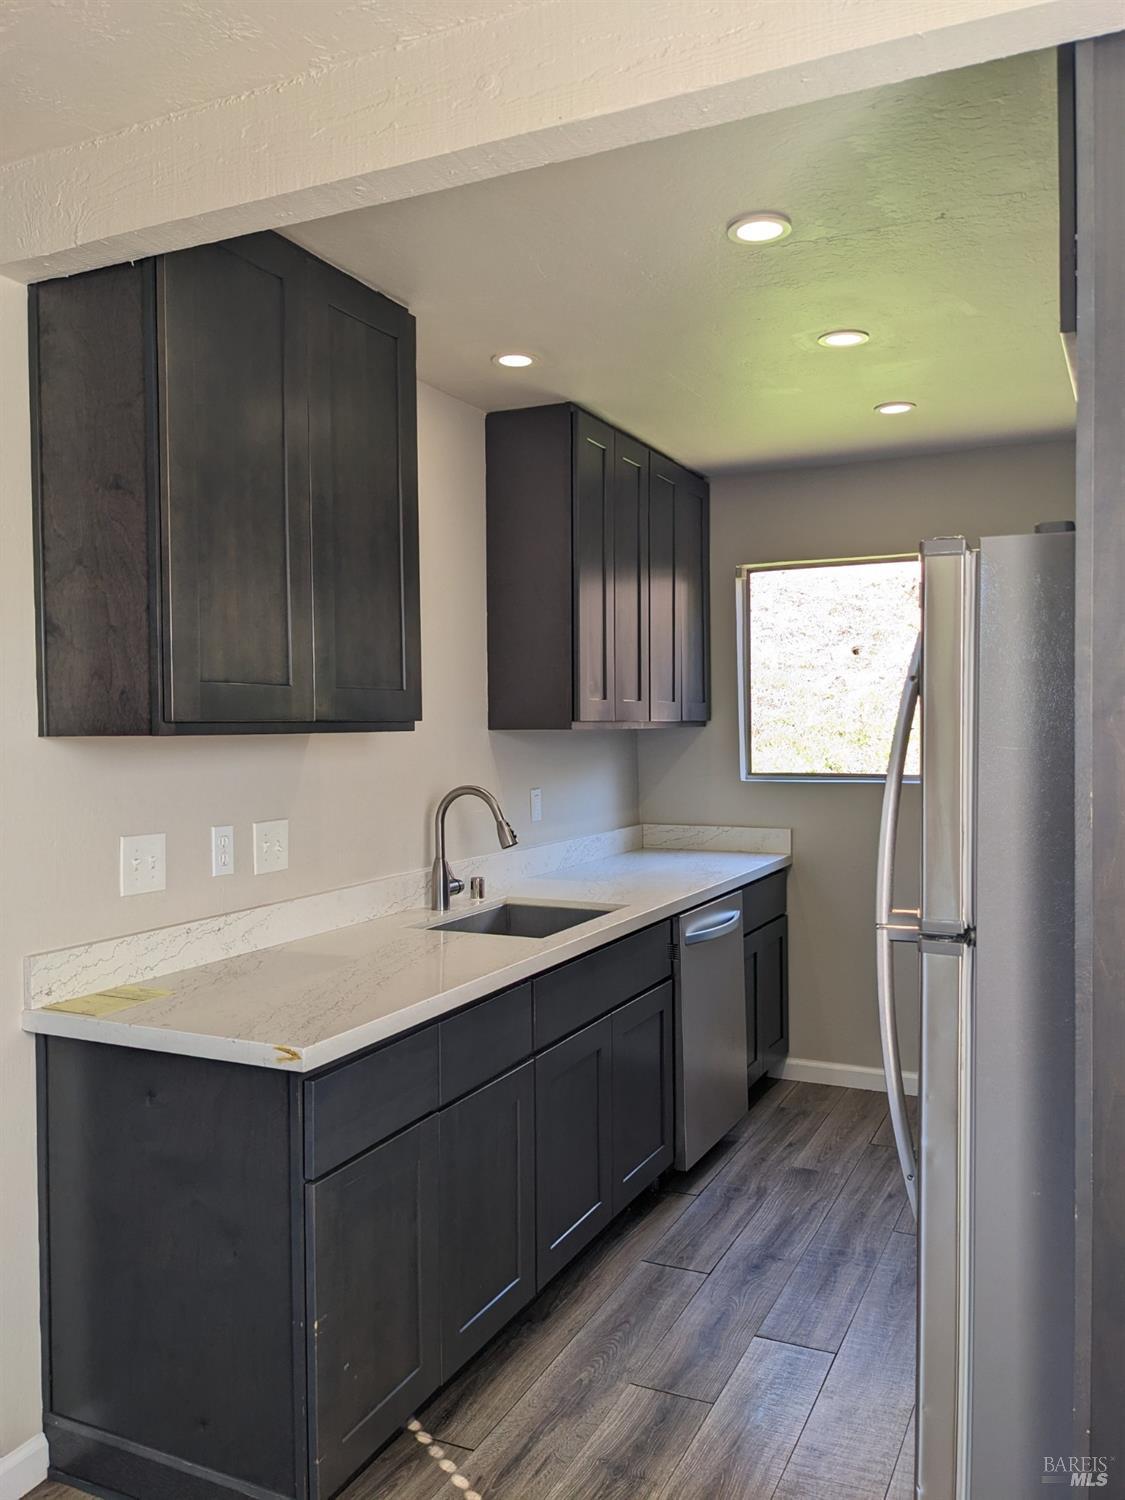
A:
(743, 574)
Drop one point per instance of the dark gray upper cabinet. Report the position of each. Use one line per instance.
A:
(630, 580)
(364, 482)
(679, 609)
(234, 513)
(595, 688)
(226, 489)
(597, 576)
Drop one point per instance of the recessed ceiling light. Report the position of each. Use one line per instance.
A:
(759, 228)
(894, 408)
(513, 361)
(843, 338)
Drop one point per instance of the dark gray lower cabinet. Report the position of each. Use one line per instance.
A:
(573, 1145)
(487, 1150)
(373, 1274)
(253, 1279)
(642, 1092)
(767, 996)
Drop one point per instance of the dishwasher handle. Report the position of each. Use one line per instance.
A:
(711, 930)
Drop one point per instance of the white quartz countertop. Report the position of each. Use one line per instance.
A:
(304, 1004)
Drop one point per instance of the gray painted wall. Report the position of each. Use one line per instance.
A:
(691, 775)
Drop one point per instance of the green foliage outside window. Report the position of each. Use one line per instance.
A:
(827, 648)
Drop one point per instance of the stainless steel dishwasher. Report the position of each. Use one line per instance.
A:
(710, 1026)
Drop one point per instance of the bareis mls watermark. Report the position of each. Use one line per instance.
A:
(1080, 1473)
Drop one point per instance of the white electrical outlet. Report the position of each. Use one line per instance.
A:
(537, 804)
(271, 846)
(142, 863)
(222, 849)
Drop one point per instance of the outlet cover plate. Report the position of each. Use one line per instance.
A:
(271, 846)
(537, 804)
(143, 863)
(222, 849)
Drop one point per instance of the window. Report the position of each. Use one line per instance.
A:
(823, 651)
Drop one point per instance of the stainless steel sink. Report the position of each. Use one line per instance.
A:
(522, 919)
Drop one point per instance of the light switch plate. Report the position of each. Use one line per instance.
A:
(271, 846)
(537, 804)
(143, 863)
(222, 849)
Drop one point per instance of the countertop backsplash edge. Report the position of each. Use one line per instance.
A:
(133, 958)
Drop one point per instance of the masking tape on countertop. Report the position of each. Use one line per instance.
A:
(107, 1002)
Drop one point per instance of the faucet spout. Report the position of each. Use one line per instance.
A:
(444, 884)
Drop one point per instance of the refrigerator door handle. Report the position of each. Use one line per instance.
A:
(895, 925)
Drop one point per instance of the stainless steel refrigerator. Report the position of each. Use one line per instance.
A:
(992, 1171)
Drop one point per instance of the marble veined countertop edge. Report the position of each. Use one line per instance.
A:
(305, 1004)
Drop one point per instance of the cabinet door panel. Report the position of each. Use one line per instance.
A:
(693, 598)
(488, 1213)
(573, 1146)
(665, 670)
(642, 1093)
(594, 688)
(767, 995)
(630, 580)
(773, 1018)
(234, 484)
(373, 1268)
(362, 441)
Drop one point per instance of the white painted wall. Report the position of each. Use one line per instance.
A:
(691, 775)
(358, 805)
(500, 87)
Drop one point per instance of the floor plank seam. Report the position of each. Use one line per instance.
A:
(659, 1391)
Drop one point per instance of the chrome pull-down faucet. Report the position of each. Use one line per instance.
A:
(443, 882)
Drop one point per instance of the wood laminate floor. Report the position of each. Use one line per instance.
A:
(745, 1331)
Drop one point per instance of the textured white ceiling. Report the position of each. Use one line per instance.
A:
(77, 69)
(924, 212)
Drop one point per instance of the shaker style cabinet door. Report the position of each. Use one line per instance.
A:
(642, 1092)
(373, 1321)
(665, 667)
(766, 953)
(630, 580)
(693, 598)
(679, 594)
(234, 498)
(364, 488)
(593, 521)
(573, 1145)
(487, 1213)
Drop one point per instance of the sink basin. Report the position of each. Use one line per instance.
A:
(520, 919)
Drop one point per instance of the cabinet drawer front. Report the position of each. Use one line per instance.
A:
(763, 901)
(590, 987)
(484, 1042)
(369, 1099)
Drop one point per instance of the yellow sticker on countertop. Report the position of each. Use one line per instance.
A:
(107, 1002)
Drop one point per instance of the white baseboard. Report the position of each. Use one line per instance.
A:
(844, 1075)
(23, 1468)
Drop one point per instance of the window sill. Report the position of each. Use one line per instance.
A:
(816, 780)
